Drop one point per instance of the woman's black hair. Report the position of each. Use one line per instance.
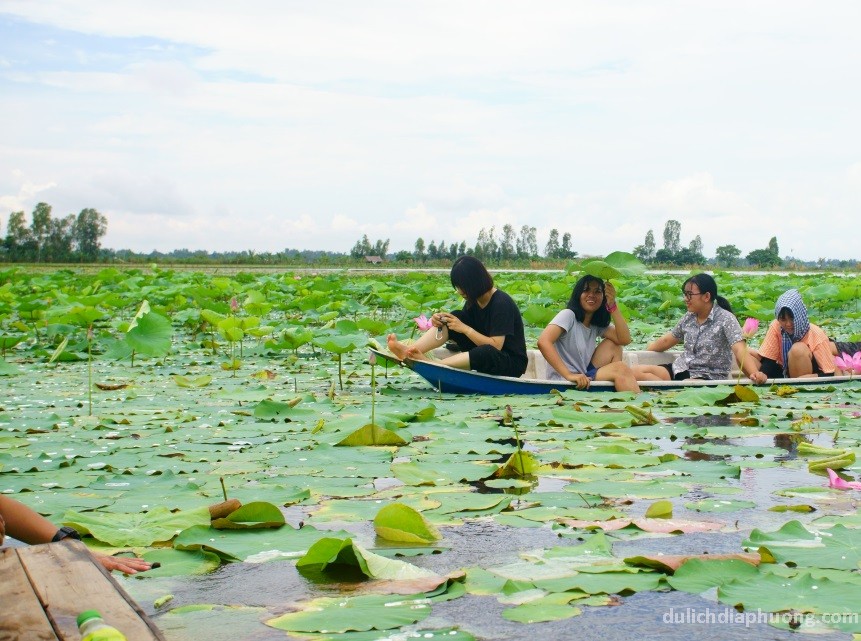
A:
(707, 284)
(601, 317)
(472, 278)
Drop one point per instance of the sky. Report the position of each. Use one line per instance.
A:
(273, 124)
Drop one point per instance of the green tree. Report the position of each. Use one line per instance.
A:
(19, 241)
(727, 255)
(506, 244)
(672, 235)
(58, 244)
(565, 250)
(87, 231)
(381, 248)
(419, 252)
(772, 246)
(696, 245)
(40, 227)
(551, 249)
(433, 252)
(763, 258)
(646, 251)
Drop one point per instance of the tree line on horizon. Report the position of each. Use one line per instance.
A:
(73, 238)
(77, 238)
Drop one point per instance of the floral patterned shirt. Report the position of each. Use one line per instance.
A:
(708, 347)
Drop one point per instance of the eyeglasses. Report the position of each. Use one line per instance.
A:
(689, 294)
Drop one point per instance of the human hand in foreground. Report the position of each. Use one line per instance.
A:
(125, 564)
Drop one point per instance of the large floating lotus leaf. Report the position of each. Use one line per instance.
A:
(441, 472)
(399, 522)
(803, 593)
(342, 614)
(7, 369)
(268, 409)
(603, 582)
(371, 435)
(699, 574)
(669, 563)
(253, 546)
(219, 622)
(142, 529)
(553, 607)
(151, 335)
(257, 514)
(838, 547)
(719, 505)
(179, 563)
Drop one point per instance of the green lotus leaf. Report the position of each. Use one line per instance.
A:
(802, 593)
(339, 344)
(399, 522)
(254, 545)
(258, 514)
(698, 575)
(143, 529)
(373, 435)
(343, 614)
(660, 510)
(838, 547)
(179, 563)
(151, 335)
(197, 381)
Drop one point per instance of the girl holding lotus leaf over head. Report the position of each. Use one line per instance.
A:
(488, 330)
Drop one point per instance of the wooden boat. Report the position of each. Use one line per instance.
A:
(458, 381)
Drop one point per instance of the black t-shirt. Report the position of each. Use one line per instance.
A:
(500, 317)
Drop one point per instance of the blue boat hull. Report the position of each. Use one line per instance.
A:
(458, 381)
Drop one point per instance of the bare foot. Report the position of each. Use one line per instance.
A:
(396, 347)
(415, 354)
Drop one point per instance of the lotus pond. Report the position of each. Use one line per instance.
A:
(375, 508)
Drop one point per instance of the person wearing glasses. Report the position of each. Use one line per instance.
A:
(488, 330)
(711, 335)
(569, 343)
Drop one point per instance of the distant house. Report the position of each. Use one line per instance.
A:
(374, 260)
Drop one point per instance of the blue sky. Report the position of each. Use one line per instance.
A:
(272, 124)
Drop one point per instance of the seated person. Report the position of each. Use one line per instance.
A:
(488, 330)
(794, 347)
(569, 346)
(711, 335)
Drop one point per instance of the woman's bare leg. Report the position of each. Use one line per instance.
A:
(607, 352)
(620, 375)
(650, 373)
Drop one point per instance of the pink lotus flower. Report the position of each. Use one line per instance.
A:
(234, 304)
(749, 328)
(423, 323)
(838, 483)
(849, 363)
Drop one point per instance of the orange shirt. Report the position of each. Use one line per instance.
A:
(815, 338)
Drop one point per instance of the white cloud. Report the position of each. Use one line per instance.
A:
(279, 123)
